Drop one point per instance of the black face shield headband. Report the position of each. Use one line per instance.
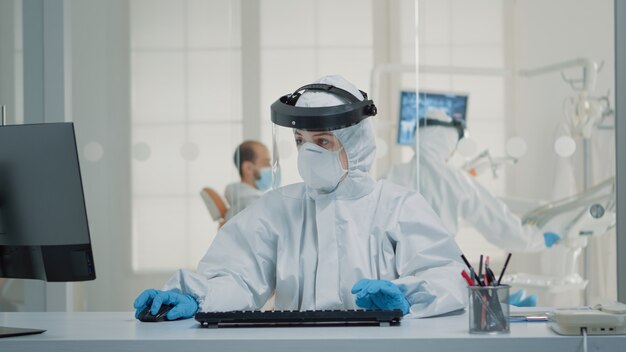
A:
(286, 114)
(459, 125)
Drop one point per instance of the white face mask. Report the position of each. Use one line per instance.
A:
(320, 168)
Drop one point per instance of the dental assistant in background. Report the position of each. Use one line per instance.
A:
(454, 195)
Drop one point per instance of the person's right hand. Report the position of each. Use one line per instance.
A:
(551, 238)
(519, 299)
(185, 306)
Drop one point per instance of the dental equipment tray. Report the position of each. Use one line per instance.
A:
(278, 318)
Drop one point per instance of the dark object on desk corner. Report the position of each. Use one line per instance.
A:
(300, 318)
(9, 332)
(147, 317)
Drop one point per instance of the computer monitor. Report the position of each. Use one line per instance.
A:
(44, 233)
(453, 104)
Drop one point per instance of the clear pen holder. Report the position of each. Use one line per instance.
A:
(489, 309)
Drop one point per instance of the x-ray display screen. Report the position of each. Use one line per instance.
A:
(455, 105)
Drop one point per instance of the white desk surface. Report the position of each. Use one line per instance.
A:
(119, 331)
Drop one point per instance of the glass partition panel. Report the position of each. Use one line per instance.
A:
(11, 98)
(186, 123)
(533, 171)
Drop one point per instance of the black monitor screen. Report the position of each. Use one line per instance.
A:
(455, 105)
(44, 232)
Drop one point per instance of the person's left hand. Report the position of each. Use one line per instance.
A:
(380, 294)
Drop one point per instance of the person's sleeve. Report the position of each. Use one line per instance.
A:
(428, 261)
(494, 220)
(238, 270)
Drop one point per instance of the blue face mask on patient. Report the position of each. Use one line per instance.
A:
(264, 182)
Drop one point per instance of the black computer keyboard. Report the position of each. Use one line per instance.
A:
(299, 318)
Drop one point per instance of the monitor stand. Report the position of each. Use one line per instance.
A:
(6, 331)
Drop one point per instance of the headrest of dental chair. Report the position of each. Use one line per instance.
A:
(214, 203)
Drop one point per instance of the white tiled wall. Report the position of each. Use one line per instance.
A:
(158, 86)
(163, 173)
(186, 88)
(213, 24)
(457, 33)
(159, 227)
(316, 38)
(344, 24)
(186, 112)
(297, 29)
(214, 83)
(157, 24)
(462, 33)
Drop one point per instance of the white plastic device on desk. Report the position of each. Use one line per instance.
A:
(602, 319)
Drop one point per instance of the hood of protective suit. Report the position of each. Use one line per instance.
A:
(358, 142)
(438, 141)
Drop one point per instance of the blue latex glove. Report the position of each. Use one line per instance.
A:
(530, 301)
(185, 306)
(380, 294)
(550, 238)
(517, 299)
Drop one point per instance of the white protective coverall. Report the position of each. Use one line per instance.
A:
(310, 248)
(454, 195)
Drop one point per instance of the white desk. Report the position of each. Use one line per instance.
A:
(113, 331)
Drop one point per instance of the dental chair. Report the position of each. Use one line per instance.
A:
(215, 204)
(555, 274)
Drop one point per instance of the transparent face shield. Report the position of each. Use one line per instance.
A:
(322, 145)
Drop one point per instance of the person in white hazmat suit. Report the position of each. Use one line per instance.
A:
(340, 240)
(454, 195)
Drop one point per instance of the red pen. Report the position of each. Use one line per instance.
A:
(472, 272)
(467, 278)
